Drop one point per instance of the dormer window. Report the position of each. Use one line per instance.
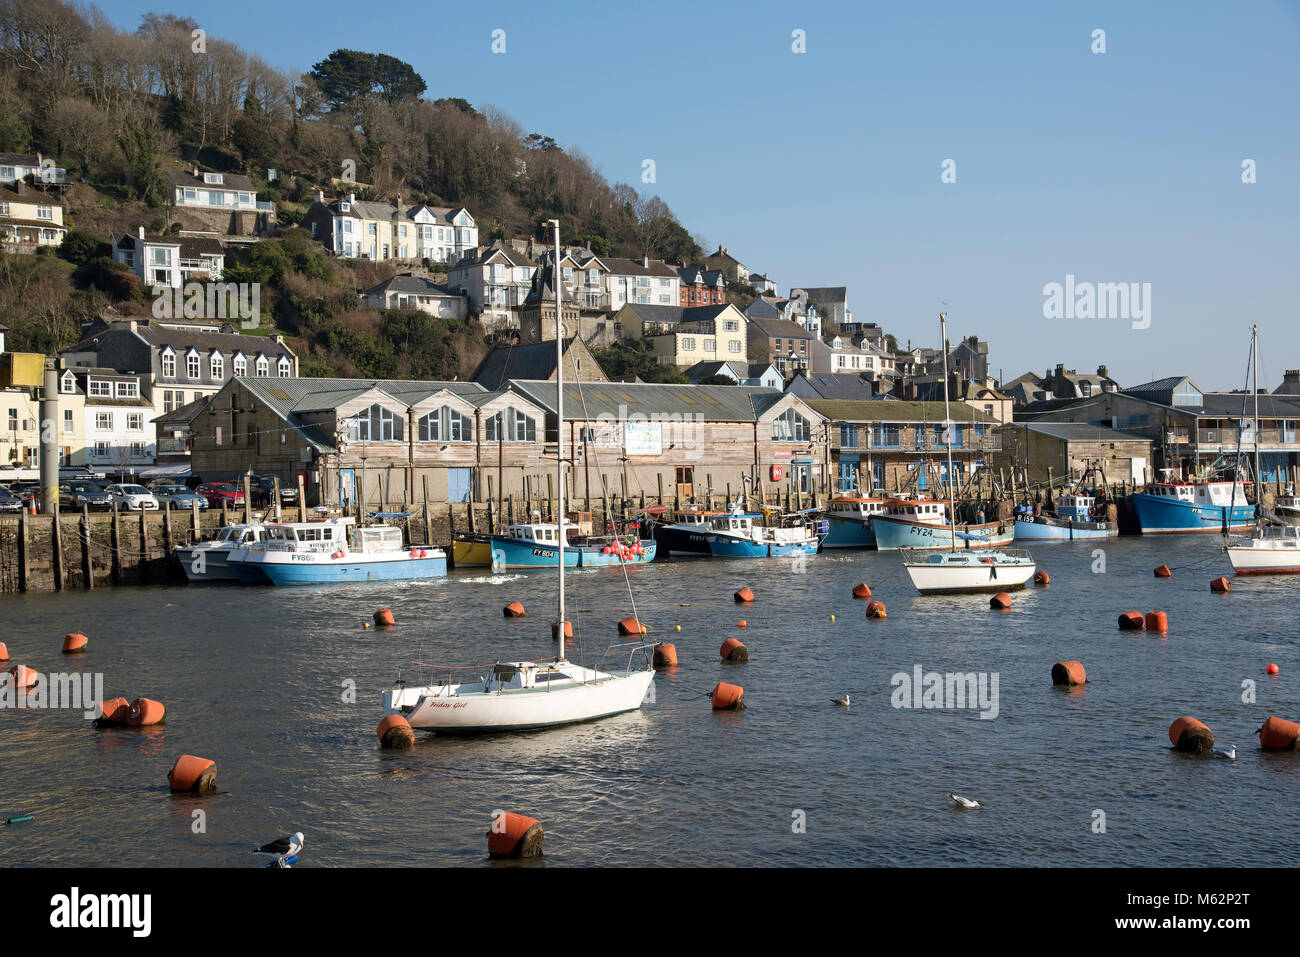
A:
(216, 366)
(263, 366)
(192, 364)
(240, 364)
(214, 179)
(345, 207)
(168, 364)
(284, 367)
(68, 384)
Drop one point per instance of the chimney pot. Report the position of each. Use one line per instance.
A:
(142, 232)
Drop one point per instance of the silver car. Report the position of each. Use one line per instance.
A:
(132, 498)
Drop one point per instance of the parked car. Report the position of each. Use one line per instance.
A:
(10, 502)
(89, 494)
(177, 496)
(262, 488)
(218, 492)
(132, 498)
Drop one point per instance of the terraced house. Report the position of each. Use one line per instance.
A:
(352, 228)
(684, 337)
(496, 280)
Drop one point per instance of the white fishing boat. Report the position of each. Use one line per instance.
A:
(968, 569)
(518, 695)
(333, 550)
(205, 561)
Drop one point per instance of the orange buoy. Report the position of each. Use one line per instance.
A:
(861, 590)
(1131, 621)
(513, 610)
(1069, 673)
(665, 655)
(1220, 585)
(112, 714)
(1001, 601)
(1162, 571)
(394, 731)
(193, 774)
(384, 616)
(1156, 621)
(74, 643)
(727, 697)
(513, 835)
(733, 649)
(145, 712)
(23, 676)
(1042, 578)
(1272, 669)
(876, 609)
(4, 652)
(744, 596)
(555, 631)
(1278, 735)
(631, 626)
(1188, 734)
(742, 623)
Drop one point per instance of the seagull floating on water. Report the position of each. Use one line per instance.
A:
(284, 847)
(842, 702)
(967, 803)
(1230, 754)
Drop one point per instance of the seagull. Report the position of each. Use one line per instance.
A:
(284, 847)
(842, 702)
(1230, 754)
(966, 803)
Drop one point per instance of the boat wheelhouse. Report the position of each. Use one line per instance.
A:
(1075, 518)
(205, 561)
(1270, 550)
(921, 523)
(848, 520)
(334, 550)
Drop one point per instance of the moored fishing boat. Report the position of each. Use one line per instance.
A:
(1199, 506)
(849, 521)
(537, 545)
(471, 550)
(683, 531)
(921, 523)
(206, 561)
(323, 552)
(735, 535)
(1075, 519)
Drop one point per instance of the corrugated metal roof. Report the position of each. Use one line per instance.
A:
(1080, 431)
(718, 403)
(869, 410)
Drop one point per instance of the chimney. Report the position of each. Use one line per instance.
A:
(196, 173)
(1291, 375)
(1103, 372)
(352, 197)
(397, 207)
(320, 196)
(142, 232)
(645, 261)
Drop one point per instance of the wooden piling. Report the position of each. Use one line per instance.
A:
(144, 549)
(116, 546)
(56, 540)
(248, 501)
(302, 498)
(87, 563)
(22, 550)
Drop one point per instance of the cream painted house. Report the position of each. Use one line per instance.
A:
(29, 219)
(684, 336)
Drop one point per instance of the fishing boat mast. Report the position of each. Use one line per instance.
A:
(1259, 484)
(556, 273)
(947, 426)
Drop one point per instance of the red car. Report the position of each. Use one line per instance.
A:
(218, 492)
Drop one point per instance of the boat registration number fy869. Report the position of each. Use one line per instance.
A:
(304, 558)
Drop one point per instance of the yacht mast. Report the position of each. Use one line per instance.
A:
(947, 426)
(556, 273)
(1259, 482)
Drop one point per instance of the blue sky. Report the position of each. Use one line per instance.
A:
(823, 168)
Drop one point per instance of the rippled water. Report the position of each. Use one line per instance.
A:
(253, 678)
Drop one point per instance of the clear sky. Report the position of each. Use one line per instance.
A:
(824, 167)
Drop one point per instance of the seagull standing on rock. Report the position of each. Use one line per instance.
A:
(966, 803)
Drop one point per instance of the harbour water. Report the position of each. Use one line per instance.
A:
(255, 678)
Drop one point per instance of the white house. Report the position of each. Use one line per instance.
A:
(29, 218)
(170, 261)
(843, 354)
(647, 282)
(443, 235)
(16, 166)
(496, 280)
(118, 428)
(229, 191)
(416, 292)
(356, 228)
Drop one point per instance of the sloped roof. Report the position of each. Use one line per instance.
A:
(827, 294)
(230, 181)
(535, 361)
(631, 267)
(1079, 431)
(869, 410)
(781, 328)
(716, 403)
(419, 285)
(837, 385)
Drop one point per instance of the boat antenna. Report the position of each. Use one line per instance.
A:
(947, 426)
(559, 425)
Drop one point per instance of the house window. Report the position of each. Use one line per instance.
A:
(128, 390)
(98, 387)
(790, 426)
(169, 403)
(192, 365)
(160, 256)
(104, 421)
(710, 345)
(135, 421)
(734, 345)
(44, 212)
(848, 436)
(284, 367)
(216, 366)
(445, 425)
(191, 194)
(68, 385)
(375, 424)
(515, 427)
(169, 365)
(240, 365)
(137, 450)
(688, 345)
(68, 427)
(263, 366)
(101, 450)
(731, 325)
(886, 435)
(13, 420)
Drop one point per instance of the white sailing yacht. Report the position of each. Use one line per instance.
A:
(1273, 547)
(517, 695)
(966, 569)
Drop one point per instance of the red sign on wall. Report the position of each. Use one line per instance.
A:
(776, 473)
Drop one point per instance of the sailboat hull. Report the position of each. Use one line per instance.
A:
(941, 578)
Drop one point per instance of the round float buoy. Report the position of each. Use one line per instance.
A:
(1042, 578)
(744, 596)
(1221, 586)
(193, 774)
(742, 623)
(394, 731)
(1162, 571)
(384, 617)
(112, 714)
(513, 835)
(1068, 673)
(631, 626)
(555, 631)
(1001, 601)
(727, 697)
(513, 610)
(1131, 621)
(876, 609)
(23, 676)
(665, 655)
(74, 643)
(1156, 621)
(832, 617)
(1188, 734)
(4, 652)
(677, 627)
(145, 712)
(734, 650)
(1278, 735)
(860, 590)
(1271, 669)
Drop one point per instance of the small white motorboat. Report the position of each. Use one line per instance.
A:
(1270, 550)
(205, 561)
